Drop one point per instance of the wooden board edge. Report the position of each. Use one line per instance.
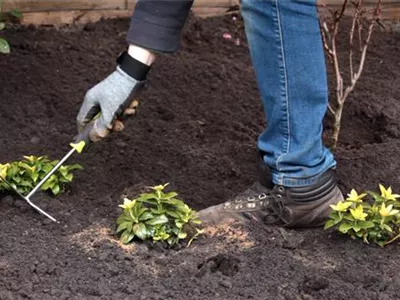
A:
(85, 16)
(72, 16)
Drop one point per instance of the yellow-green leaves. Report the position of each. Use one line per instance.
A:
(358, 213)
(160, 187)
(3, 170)
(386, 211)
(354, 196)
(4, 46)
(373, 219)
(157, 216)
(24, 175)
(341, 206)
(128, 204)
(387, 193)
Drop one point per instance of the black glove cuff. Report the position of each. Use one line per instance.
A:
(132, 67)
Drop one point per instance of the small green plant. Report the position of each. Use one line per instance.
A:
(374, 219)
(4, 46)
(157, 216)
(24, 175)
(13, 15)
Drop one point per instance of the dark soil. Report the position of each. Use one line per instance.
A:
(196, 128)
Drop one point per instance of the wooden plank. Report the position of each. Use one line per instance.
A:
(130, 4)
(392, 14)
(72, 16)
(86, 16)
(368, 2)
(58, 5)
(390, 8)
(201, 9)
(83, 17)
(54, 5)
(386, 4)
(214, 3)
(198, 3)
(209, 11)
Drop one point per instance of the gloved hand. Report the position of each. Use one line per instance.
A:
(114, 98)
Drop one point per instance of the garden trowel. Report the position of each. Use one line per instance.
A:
(27, 199)
(79, 143)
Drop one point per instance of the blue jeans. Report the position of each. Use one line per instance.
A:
(288, 58)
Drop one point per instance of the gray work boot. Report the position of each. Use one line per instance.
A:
(258, 191)
(293, 207)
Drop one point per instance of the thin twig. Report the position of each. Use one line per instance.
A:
(329, 38)
(351, 34)
(360, 28)
(392, 240)
(343, 9)
(325, 38)
(339, 79)
(331, 110)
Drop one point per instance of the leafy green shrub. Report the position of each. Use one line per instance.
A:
(4, 46)
(24, 175)
(376, 219)
(13, 15)
(157, 216)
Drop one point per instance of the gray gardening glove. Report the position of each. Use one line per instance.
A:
(114, 98)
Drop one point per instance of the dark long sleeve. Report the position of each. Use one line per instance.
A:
(157, 24)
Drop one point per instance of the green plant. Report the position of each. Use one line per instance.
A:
(24, 175)
(157, 216)
(374, 219)
(14, 14)
(4, 46)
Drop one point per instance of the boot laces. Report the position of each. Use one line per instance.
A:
(270, 202)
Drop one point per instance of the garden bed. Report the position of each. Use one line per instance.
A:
(196, 128)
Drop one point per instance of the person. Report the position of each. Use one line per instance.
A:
(297, 182)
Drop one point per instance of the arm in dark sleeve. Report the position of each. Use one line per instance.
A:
(157, 24)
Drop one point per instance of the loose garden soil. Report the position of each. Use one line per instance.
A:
(196, 128)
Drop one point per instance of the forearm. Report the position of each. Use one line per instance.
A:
(141, 54)
(156, 25)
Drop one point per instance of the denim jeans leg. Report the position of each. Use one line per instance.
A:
(286, 50)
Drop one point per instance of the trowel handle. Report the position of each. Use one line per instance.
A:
(83, 136)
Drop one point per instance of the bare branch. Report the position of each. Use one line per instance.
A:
(331, 110)
(325, 39)
(329, 36)
(363, 53)
(336, 65)
(351, 34)
(360, 29)
(340, 14)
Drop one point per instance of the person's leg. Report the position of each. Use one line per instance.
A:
(286, 49)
